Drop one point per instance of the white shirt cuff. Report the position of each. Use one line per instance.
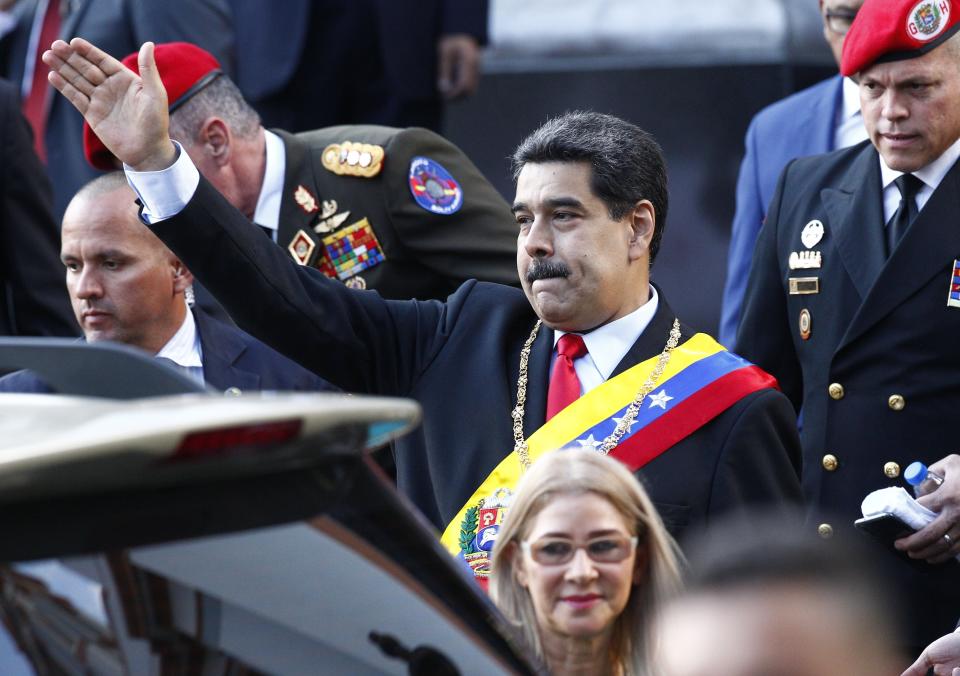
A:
(166, 192)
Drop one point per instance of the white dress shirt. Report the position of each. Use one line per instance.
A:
(267, 212)
(184, 349)
(607, 345)
(931, 175)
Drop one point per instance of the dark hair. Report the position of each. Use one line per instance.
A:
(627, 162)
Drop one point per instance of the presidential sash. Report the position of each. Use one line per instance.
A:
(700, 381)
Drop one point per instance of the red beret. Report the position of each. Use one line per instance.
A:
(893, 30)
(184, 68)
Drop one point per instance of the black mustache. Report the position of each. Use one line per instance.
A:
(543, 269)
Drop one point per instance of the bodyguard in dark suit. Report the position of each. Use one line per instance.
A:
(402, 211)
(33, 301)
(625, 377)
(119, 26)
(127, 287)
(858, 320)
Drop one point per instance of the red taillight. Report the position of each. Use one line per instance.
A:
(222, 440)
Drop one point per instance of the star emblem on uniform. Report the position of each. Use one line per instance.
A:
(616, 421)
(589, 442)
(660, 399)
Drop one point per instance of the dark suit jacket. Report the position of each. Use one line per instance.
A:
(33, 299)
(799, 125)
(231, 358)
(460, 360)
(879, 327)
(118, 27)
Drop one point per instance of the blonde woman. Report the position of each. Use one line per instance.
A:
(581, 563)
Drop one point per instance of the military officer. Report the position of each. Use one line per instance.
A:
(852, 301)
(402, 211)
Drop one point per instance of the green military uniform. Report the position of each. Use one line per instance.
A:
(402, 211)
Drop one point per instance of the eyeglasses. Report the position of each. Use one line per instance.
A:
(558, 551)
(839, 21)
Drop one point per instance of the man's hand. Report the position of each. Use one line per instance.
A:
(943, 656)
(128, 112)
(458, 65)
(940, 540)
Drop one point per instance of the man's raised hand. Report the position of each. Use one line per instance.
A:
(127, 111)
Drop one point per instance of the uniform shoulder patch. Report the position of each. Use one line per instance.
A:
(433, 187)
(353, 159)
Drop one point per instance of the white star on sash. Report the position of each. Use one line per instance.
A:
(589, 442)
(660, 399)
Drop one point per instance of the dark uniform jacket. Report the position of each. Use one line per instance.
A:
(231, 359)
(460, 360)
(426, 254)
(878, 378)
(33, 299)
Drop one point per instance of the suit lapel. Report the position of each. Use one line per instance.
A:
(927, 247)
(855, 220)
(72, 20)
(654, 338)
(818, 125)
(222, 348)
(298, 170)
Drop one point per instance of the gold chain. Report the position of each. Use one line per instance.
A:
(520, 444)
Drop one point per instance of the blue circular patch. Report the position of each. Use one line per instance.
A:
(486, 538)
(433, 187)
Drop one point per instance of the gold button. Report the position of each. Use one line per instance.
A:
(835, 391)
(892, 470)
(825, 530)
(830, 462)
(896, 402)
(232, 392)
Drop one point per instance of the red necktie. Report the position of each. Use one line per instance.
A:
(35, 104)
(564, 385)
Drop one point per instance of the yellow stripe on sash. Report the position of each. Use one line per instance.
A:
(592, 408)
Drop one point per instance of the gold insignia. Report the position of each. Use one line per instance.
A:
(329, 209)
(358, 283)
(353, 159)
(301, 247)
(332, 223)
(305, 199)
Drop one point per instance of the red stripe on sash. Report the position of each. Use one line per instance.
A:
(690, 415)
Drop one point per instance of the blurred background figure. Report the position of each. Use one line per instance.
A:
(120, 27)
(581, 564)
(818, 119)
(769, 598)
(305, 64)
(33, 301)
(126, 286)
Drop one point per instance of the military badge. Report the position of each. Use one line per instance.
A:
(805, 324)
(363, 160)
(812, 233)
(433, 187)
(357, 283)
(928, 19)
(802, 286)
(953, 296)
(350, 251)
(804, 260)
(305, 199)
(480, 528)
(301, 247)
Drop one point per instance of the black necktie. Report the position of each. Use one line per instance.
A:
(908, 185)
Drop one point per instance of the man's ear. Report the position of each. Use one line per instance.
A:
(182, 277)
(215, 138)
(643, 219)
